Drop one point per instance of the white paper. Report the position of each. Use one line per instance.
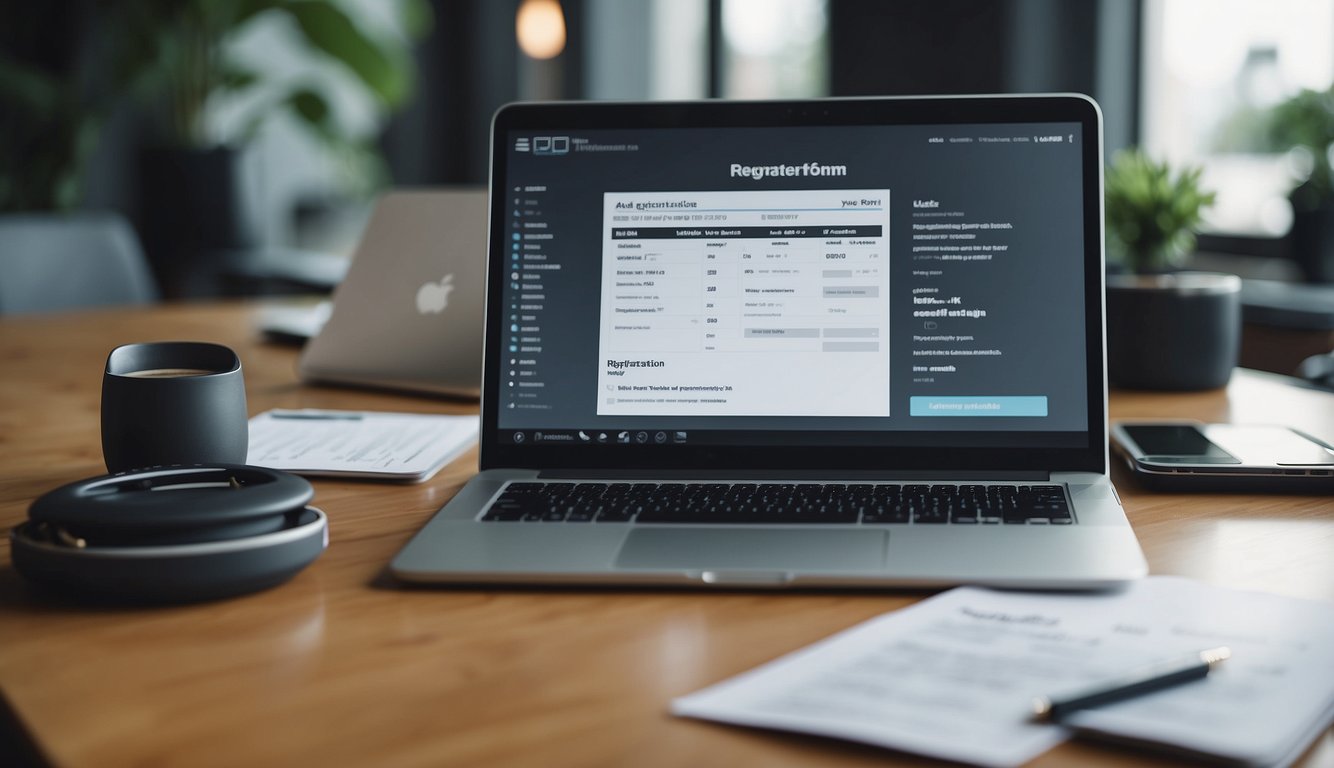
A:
(955, 675)
(386, 445)
(1261, 707)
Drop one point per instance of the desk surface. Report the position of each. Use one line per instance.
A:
(341, 667)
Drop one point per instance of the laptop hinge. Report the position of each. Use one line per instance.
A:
(791, 474)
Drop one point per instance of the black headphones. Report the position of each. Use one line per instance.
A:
(171, 534)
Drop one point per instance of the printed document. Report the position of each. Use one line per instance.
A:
(955, 675)
(385, 446)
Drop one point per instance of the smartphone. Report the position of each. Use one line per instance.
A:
(1192, 456)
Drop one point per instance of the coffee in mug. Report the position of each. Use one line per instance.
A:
(168, 373)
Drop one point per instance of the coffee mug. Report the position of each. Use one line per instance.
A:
(173, 402)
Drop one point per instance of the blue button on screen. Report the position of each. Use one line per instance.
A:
(979, 406)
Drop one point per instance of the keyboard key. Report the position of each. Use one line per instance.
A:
(524, 487)
(929, 517)
(618, 514)
(503, 514)
(963, 514)
(880, 515)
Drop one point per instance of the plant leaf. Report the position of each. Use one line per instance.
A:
(236, 78)
(314, 110)
(330, 30)
(418, 18)
(244, 10)
(29, 87)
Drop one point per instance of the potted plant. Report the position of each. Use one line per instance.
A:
(1304, 125)
(176, 55)
(1166, 329)
(58, 90)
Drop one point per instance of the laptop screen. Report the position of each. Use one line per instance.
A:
(677, 285)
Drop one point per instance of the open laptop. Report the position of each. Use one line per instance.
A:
(806, 344)
(409, 313)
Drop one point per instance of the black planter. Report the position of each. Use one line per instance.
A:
(195, 206)
(1313, 244)
(1172, 332)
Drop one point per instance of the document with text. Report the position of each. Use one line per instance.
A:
(955, 676)
(408, 447)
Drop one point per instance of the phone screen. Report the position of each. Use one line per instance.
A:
(1174, 440)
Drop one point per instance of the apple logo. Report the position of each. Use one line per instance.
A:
(432, 298)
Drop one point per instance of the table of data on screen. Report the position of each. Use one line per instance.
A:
(745, 303)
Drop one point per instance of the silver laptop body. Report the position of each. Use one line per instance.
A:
(708, 324)
(409, 313)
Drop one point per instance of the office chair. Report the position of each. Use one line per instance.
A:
(53, 262)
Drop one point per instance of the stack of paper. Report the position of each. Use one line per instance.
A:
(408, 447)
(955, 676)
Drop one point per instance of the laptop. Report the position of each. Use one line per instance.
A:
(838, 343)
(409, 313)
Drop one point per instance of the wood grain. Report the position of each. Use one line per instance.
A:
(341, 667)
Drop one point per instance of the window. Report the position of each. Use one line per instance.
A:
(1212, 70)
(774, 49)
(661, 49)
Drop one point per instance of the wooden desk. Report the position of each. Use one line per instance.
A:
(340, 667)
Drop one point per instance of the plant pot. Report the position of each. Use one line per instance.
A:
(197, 216)
(1172, 332)
(1313, 244)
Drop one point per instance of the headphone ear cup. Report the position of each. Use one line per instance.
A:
(171, 534)
(173, 505)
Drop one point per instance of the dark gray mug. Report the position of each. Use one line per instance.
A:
(173, 402)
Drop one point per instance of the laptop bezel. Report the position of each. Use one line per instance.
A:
(1070, 108)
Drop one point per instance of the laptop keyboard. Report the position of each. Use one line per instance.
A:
(769, 503)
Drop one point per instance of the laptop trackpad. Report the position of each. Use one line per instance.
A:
(761, 549)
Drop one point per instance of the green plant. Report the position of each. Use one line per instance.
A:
(1152, 212)
(1306, 121)
(45, 140)
(174, 55)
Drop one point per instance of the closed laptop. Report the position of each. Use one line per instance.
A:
(409, 313)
